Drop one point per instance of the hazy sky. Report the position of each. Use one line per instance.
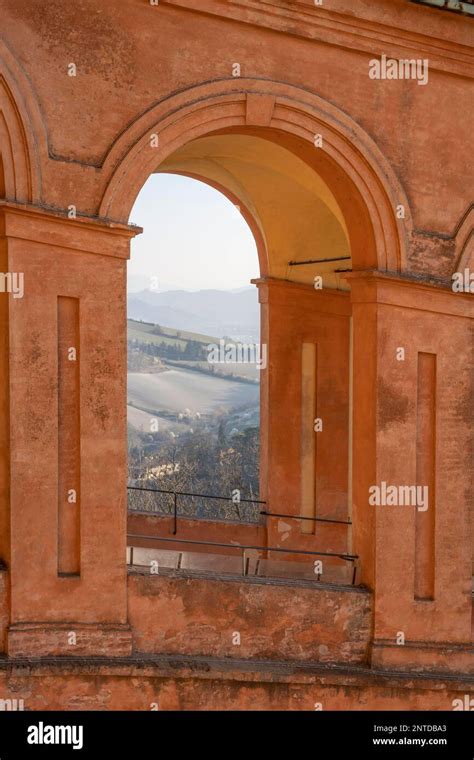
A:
(194, 238)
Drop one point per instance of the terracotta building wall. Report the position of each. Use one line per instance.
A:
(248, 618)
(126, 55)
(75, 151)
(176, 683)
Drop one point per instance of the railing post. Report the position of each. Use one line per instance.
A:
(249, 552)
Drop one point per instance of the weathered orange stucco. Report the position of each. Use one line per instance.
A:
(389, 184)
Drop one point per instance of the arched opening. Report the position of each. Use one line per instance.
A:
(264, 148)
(304, 250)
(324, 137)
(193, 339)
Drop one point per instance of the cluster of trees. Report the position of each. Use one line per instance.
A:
(192, 350)
(140, 362)
(201, 463)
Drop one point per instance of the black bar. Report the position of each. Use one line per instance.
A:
(314, 519)
(345, 557)
(364, 733)
(175, 522)
(239, 521)
(317, 261)
(198, 495)
(241, 501)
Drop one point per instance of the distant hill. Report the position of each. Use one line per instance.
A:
(160, 387)
(140, 333)
(149, 332)
(211, 312)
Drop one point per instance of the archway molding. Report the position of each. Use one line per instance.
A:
(23, 140)
(464, 241)
(358, 174)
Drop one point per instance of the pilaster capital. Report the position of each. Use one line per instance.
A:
(409, 292)
(55, 228)
(298, 295)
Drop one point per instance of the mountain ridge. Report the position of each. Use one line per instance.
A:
(223, 313)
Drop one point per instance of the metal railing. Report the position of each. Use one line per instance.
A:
(174, 514)
(227, 499)
(190, 516)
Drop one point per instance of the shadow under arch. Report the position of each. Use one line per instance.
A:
(290, 210)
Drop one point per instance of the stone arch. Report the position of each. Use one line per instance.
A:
(464, 241)
(360, 177)
(2, 179)
(22, 134)
(289, 208)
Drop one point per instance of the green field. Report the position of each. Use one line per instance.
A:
(143, 331)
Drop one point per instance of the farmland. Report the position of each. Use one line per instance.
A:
(164, 387)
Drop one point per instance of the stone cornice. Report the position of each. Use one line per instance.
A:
(409, 291)
(35, 210)
(445, 41)
(54, 228)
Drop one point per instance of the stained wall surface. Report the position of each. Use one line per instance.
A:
(273, 104)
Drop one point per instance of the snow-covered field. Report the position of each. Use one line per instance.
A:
(177, 390)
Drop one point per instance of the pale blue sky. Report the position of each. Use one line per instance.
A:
(194, 238)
